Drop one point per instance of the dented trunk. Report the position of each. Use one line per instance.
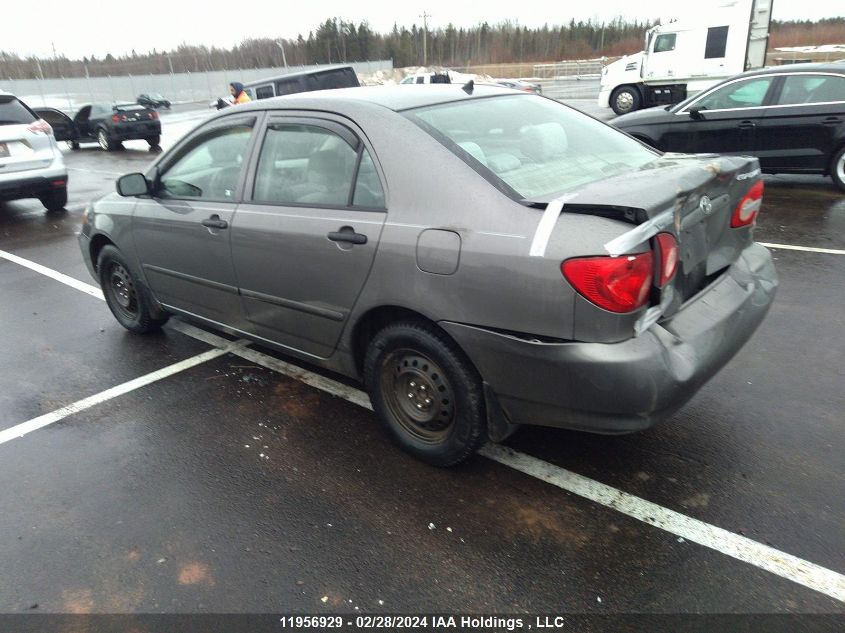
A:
(692, 197)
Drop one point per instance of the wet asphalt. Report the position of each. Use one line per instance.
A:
(160, 500)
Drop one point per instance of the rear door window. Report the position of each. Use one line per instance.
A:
(14, 112)
(288, 87)
(807, 88)
(264, 92)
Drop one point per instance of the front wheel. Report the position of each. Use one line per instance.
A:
(837, 169)
(127, 298)
(625, 99)
(426, 393)
(106, 142)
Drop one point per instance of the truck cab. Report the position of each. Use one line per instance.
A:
(683, 57)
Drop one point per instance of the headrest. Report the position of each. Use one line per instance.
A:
(543, 142)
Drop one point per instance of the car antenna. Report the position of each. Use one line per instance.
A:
(468, 87)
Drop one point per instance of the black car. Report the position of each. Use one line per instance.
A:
(792, 118)
(153, 100)
(106, 124)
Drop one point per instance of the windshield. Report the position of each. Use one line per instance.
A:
(535, 147)
(156, 96)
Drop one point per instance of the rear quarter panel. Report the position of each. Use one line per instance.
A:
(497, 284)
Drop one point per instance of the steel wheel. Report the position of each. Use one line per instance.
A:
(103, 140)
(624, 101)
(840, 167)
(418, 395)
(123, 291)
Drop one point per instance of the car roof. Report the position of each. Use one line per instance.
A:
(395, 98)
(827, 67)
(300, 73)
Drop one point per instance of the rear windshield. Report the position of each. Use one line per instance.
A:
(128, 107)
(14, 112)
(529, 146)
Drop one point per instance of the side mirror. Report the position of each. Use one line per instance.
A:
(133, 185)
(695, 113)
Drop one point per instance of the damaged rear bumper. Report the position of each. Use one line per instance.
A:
(627, 386)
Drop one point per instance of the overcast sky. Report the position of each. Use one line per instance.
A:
(84, 28)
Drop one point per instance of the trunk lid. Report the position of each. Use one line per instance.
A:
(690, 196)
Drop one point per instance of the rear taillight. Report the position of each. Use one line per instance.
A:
(617, 284)
(40, 126)
(152, 115)
(115, 118)
(748, 208)
(668, 253)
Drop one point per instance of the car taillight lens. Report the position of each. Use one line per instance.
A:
(115, 118)
(40, 126)
(748, 208)
(668, 247)
(152, 115)
(618, 284)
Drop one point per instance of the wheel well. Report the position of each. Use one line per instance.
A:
(374, 320)
(636, 88)
(97, 244)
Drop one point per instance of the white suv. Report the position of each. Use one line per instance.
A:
(31, 164)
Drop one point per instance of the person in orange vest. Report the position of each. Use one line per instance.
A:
(236, 89)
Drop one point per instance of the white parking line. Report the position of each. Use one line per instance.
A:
(797, 570)
(54, 274)
(767, 558)
(19, 430)
(808, 249)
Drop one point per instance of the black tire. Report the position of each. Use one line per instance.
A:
(74, 145)
(127, 298)
(154, 141)
(54, 200)
(837, 168)
(105, 141)
(625, 99)
(427, 394)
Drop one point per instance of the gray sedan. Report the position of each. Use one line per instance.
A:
(478, 258)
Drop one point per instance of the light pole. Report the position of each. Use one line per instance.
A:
(284, 59)
(425, 17)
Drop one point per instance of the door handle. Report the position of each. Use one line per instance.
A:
(747, 125)
(214, 222)
(347, 234)
(832, 120)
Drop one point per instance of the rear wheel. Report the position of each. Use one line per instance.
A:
(54, 200)
(837, 169)
(154, 141)
(426, 393)
(73, 144)
(128, 299)
(625, 99)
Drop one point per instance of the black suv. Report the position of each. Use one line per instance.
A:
(153, 100)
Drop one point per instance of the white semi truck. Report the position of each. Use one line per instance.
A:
(685, 56)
